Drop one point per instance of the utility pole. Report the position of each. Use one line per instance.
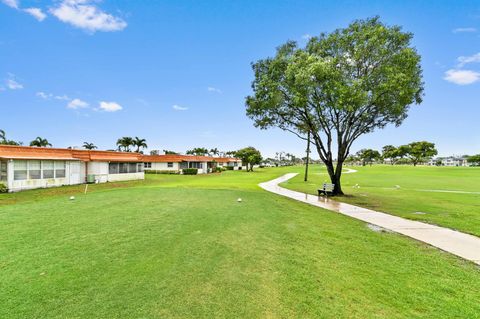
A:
(308, 157)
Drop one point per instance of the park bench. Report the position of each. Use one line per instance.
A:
(326, 189)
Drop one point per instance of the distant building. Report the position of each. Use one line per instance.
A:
(450, 161)
(176, 163)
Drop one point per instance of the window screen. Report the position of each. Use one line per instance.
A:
(132, 167)
(34, 170)
(113, 168)
(59, 169)
(48, 169)
(123, 168)
(3, 171)
(20, 170)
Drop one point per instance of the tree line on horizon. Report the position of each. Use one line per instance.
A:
(413, 153)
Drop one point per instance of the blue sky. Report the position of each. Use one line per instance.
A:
(177, 72)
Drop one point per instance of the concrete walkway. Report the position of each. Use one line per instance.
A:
(454, 242)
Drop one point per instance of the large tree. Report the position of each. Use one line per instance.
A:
(139, 143)
(368, 155)
(40, 142)
(340, 86)
(391, 153)
(250, 156)
(474, 160)
(421, 151)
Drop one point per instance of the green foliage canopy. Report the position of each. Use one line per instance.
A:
(340, 86)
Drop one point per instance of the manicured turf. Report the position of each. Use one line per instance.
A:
(183, 247)
(417, 196)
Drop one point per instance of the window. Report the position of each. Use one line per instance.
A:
(20, 170)
(3, 171)
(123, 168)
(169, 164)
(147, 165)
(194, 165)
(48, 169)
(59, 169)
(132, 167)
(113, 168)
(34, 170)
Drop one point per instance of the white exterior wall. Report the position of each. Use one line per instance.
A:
(15, 186)
(100, 170)
(163, 167)
(125, 177)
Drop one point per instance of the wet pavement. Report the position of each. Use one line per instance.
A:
(455, 242)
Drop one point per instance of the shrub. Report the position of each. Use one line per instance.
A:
(219, 169)
(3, 188)
(161, 172)
(229, 168)
(190, 171)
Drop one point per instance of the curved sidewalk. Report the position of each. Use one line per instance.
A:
(454, 242)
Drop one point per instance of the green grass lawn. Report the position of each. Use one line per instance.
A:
(418, 196)
(183, 247)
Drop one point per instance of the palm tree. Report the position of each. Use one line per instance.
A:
(89, 146)
(139, 143)
(40, 142)
(125, 143)
(214, 151)
(2, 135)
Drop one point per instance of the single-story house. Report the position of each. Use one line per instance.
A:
(176, 162)
(23, 167)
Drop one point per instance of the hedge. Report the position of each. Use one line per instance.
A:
(190, 171)
(161, 172)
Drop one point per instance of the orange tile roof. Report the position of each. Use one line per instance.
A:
(227, 159)
(28, 152)
(185, 158)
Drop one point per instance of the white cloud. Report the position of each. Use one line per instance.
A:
(61, 97)
(110, 106)
(48, 96)
(468, 59)
(213, 89)
(44, 95)
(462, 30)
(179, 108)
(11, 3)
(85, 15)
(461, 77)
(13, 85)
(77, 104)
(37, 13)
(306, 36)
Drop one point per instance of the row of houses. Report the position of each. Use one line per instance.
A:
(450, 161)
(23, 167)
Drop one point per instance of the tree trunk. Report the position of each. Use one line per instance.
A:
(335, 175)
